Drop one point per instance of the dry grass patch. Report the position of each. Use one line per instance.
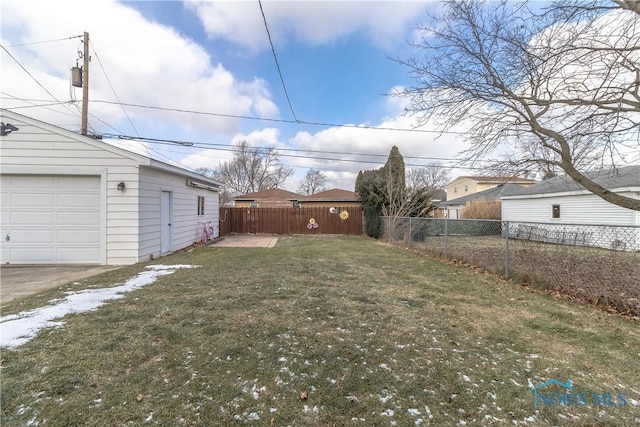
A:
(335, 331)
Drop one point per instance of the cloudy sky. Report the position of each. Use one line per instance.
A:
(204, 72)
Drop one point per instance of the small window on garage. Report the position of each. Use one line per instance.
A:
(455, 189)
(200, 205)
(253, 204)
(555, 211)
(466, 188)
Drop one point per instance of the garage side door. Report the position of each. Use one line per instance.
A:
(50, 219)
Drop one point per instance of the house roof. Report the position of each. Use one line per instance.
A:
(333, 195)
(139, 158)
(493, 193)
(612, 179)
(273, 193)
(494, 179)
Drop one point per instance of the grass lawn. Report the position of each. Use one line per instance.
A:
(321, 332)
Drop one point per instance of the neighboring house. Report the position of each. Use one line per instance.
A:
(73, 199)
(452, 209)
(465, 185)
(562, 200)
(331, 198)
(273, 198)
(548, 211)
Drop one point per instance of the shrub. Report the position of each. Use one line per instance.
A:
(482, 209)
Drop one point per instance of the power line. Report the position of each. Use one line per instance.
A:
(229, 148)
(46, 104)
(34, 79)
(275, 57)
(198, 144)
(112, 88)
(45, 41)
(299, 122)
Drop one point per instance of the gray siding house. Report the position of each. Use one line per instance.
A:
(562, 200)
(560, 210)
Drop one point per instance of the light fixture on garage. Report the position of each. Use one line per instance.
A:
(121, 186)
(7, 128)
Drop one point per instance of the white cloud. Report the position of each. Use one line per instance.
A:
(311, 22)
(147, 63)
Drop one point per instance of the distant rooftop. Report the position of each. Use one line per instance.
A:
(333, 195)
(273, 193)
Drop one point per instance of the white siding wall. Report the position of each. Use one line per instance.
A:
(37, 150)
(577, 209)
(184, 221)
(122, 215)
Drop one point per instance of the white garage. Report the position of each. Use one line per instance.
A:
(72, 199)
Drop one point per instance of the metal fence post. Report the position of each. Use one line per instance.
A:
(410, 233)
(506, 249)
(446, 239)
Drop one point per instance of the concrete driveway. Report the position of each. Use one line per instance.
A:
(19, 281)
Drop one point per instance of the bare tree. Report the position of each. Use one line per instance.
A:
(559, 89)
(313, 182)
(253, 169)
(433, 178)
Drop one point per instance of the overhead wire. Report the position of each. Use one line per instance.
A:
(299, 122)
(230, 148)
(275, 57)
(31, 75)
(200, 144)
(95, 52)
(44, 41)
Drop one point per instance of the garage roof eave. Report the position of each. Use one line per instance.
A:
(166, 167)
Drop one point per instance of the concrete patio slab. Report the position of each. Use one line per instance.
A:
(246, 241)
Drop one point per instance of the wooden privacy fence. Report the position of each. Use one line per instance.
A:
(315, 220)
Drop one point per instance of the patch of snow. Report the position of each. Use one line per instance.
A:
(427, 411)
(515, 382)
(413, 412)
(255, 392)
(388, 413)
(384, 399)
(17, 329)
(253, 416)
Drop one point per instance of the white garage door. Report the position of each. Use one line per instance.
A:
(50, 219)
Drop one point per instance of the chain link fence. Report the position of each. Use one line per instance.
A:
(599, 264)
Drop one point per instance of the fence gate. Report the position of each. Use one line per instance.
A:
(314, 220)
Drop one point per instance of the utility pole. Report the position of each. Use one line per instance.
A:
(85, 84)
